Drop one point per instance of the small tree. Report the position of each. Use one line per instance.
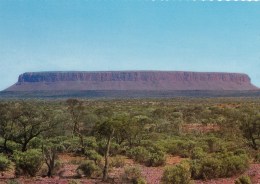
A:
(76, 111)
(6, 125)
(250, 127)
(108, 128)
(29, 122)
(50, 158)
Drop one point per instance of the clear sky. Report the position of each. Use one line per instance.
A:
(87, 35)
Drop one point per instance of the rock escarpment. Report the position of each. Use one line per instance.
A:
(131, 80)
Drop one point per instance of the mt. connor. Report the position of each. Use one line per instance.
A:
(131, 80)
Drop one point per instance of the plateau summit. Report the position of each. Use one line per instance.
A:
(131, 80)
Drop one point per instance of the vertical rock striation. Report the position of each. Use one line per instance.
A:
(131, 80)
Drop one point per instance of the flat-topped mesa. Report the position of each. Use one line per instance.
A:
(132, 80)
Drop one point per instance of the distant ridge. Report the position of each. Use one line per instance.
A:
(131, 80)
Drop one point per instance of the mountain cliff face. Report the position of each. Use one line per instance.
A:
(131, 80)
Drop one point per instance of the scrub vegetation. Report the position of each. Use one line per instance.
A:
(213, 138)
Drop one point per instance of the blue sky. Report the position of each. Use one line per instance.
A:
(86, 35)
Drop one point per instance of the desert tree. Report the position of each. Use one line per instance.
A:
(110, 124)
(30, 121)
(250, 126)
(76, 110)
(50, 156)
(6, 125)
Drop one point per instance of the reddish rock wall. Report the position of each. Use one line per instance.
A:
(132, 80)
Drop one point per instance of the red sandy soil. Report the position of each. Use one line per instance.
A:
(152, 175)
(198, 127)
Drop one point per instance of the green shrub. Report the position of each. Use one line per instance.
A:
(13, 146)
(197, 153)
(13, 181)
(219, 165)
(93, 155)
(234, 164)
(240, 152)
(244, 179)
(149, 156)
(139, 181)
(182, 148)
(195, 168)
(89, 169)
(35, 143)
(178, 174)
(74, 182)
(114, 148)
(211, 168)
(117, 161)
(139, 154)
(4, 163)
(156, 159)
(213, 144)
(257, 158)
(28, 163)
(91, 142)
(133, 175)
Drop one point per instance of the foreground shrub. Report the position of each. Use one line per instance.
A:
(234, 164)
(243, 180)
(197, 153)
(139, 154)
(257, 158)
(89, 169)
(211, 168)
(178, 174)
(182, 148)
(156, 159)
(117, 161)
(150, 156)
(93, 155)
(221, 165)
(133, 175)
(13, 181)
(28, 163)
(4, 163)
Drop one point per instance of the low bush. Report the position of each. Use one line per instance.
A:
(44, 169)
(35, 143)
(210, 168)
(88, 169)
(4, 163)
(178, 174)
(133, 175)
(244, 179)
(182, 148)
(93, 155)
(195, 168)
(219, 165)
(197, 153)
(117, 161)
(156, 159)
(139, 154)
(28, 163)
(149, 156)
(13, 181)
(257, 158)
(234, 164)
